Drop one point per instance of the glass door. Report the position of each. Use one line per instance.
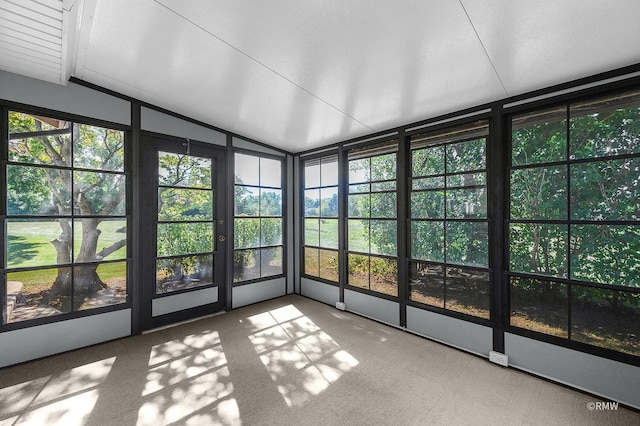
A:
(184, 267)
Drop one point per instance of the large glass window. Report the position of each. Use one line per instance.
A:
(258, 224)
(321, 218)
(66, 221)
(449, 265)
(574, 230)
(372, 219)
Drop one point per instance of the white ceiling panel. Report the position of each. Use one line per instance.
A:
(535, 44)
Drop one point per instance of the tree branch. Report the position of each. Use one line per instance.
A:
(112, 248)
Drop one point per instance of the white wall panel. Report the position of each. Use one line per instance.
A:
(156, 121)
(382, 310)
(44, 340)
(326, 293)
(178, 302)
(257, 292)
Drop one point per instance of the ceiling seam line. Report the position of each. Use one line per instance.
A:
(484, 48)
(265, 66)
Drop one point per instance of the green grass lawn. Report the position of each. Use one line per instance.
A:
(329, 234)
(42, 279)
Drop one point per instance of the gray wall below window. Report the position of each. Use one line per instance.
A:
(72, 98)
(601, 376)
(243, 144)
(465, 335)
(158, 122)
(36, 342)
(257, 292)
(326, 293)
(382, 310)
(178, 302)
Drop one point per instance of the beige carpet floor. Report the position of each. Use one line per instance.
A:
(288, 361)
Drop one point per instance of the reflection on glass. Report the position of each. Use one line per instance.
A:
(329, 233)
(468, 291)
(466, 156)
(427, 204)
(185, 204)
(38, 242)
(38, 191)
(38, 293)
(426, 282)
(112, 240)
(468, 243)
(359, 171)
(311, 261)
(270, 231)
(270, 173)
(358, 231)
(247, 169)
(539, 137)
(538, 248)
(179, 273)
(312, 232)
(312, 173)
(99, 193)
(329, 265)
(359, 205)
(246, 233)
(608, 254)
(184, 238)
(246, 265)
(113, 291)
(427, 240)
(247, 201)
(329, 171)
(99, 148)
(427, 161)
(383, 237)
(183, 170)
(606, 318)
(606, 190)
(539, 193)
(270, 202)
(539, 306)
(270, 261)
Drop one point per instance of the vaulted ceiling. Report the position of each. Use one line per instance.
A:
(303, 74)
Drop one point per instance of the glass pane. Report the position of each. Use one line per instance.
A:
(99, 193)
(329, 233)
(270, 173)
(384, 275)
(247, 201)
(383, 167)
(329, 265)
(606, 318)
(270, 202)
(247, 169)
(184, 238)
(389, 185)
(179, 273)
(329, 171)
(608, 190)
(246, 265)
(603, 127)
(428, 161)
(466, 179)
(539, 137)
(329, 202)
(427, 240)
(467, 203)
(539, 306)
(359, 205)
(359, 171)
(38, 191)
(358, 231)
(102, 286)
(358, 270)
(538, 248)
(427, 205)
(185, 204)
(54, 148)
(271, 232)
(428, 183)
(311, 261)
(426, 282)
(608, 254)
(246, 233)
(96, 239)
(99, 148)
(383, 205)
(38, 242)
(312, 202)
(312, 232)
(384, 237)
(468, 291)
(539, 193)
(312, 173)
(467, 243)
(270, 261)
(464, 156)
(37, 294)
(363, 187)
(183, 170)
